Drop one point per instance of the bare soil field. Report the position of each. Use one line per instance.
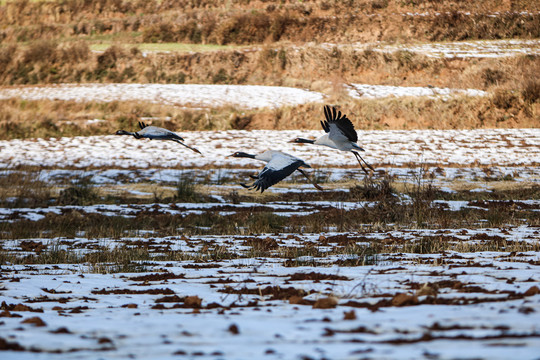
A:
(118, 247)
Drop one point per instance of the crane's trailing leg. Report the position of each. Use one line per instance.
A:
(317, 186)
(360, 159)
(189, 147)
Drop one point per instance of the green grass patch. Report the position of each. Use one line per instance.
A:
(163, 47)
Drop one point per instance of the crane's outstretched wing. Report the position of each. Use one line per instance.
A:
(339, 127)
(277, 169)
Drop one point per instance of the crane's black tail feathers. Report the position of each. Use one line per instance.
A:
(255, 185)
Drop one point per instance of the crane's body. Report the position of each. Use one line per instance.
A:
(325, 140)
(279, 165)
(155, 133)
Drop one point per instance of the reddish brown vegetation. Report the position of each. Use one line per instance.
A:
(275, 292)
(36, 321)
(158, 277)
(10, 346)
(316, 277)
(129, 291)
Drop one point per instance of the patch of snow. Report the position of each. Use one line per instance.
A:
(359, 91)
(483, 147)
(192, 95)
(454, 49)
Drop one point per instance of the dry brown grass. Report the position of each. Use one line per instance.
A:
(47, 62)
(531, 90)
(258, 21)
(511, 81)
(24, 189)
(43, 118)
(32, 52)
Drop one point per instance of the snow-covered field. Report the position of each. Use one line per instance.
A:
(222, 208)
(488, 147)
(474, 49)
(404, 293)
(395, 306)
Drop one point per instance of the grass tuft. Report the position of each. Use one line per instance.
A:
(531, 91)
(374, 189)
(23, 189)
(186, 190)
(80, 193)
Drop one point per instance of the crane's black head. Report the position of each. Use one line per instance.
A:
(124, 132)
(242, 155)
(302, 141)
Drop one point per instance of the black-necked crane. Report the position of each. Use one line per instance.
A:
(155, 133)
(340, 134)
(279, 166)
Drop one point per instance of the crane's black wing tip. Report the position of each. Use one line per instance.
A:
(345, 125)
(325, 126)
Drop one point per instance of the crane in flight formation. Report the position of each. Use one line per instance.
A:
(156, 133)
(279, 166)
(340, 135)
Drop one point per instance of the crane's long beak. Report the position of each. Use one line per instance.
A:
(302, 141)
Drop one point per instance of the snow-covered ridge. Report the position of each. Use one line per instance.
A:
(197, 96)
(359, 91)
(468, 13)
(515, 147)
(454, 49)
(193, 95)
